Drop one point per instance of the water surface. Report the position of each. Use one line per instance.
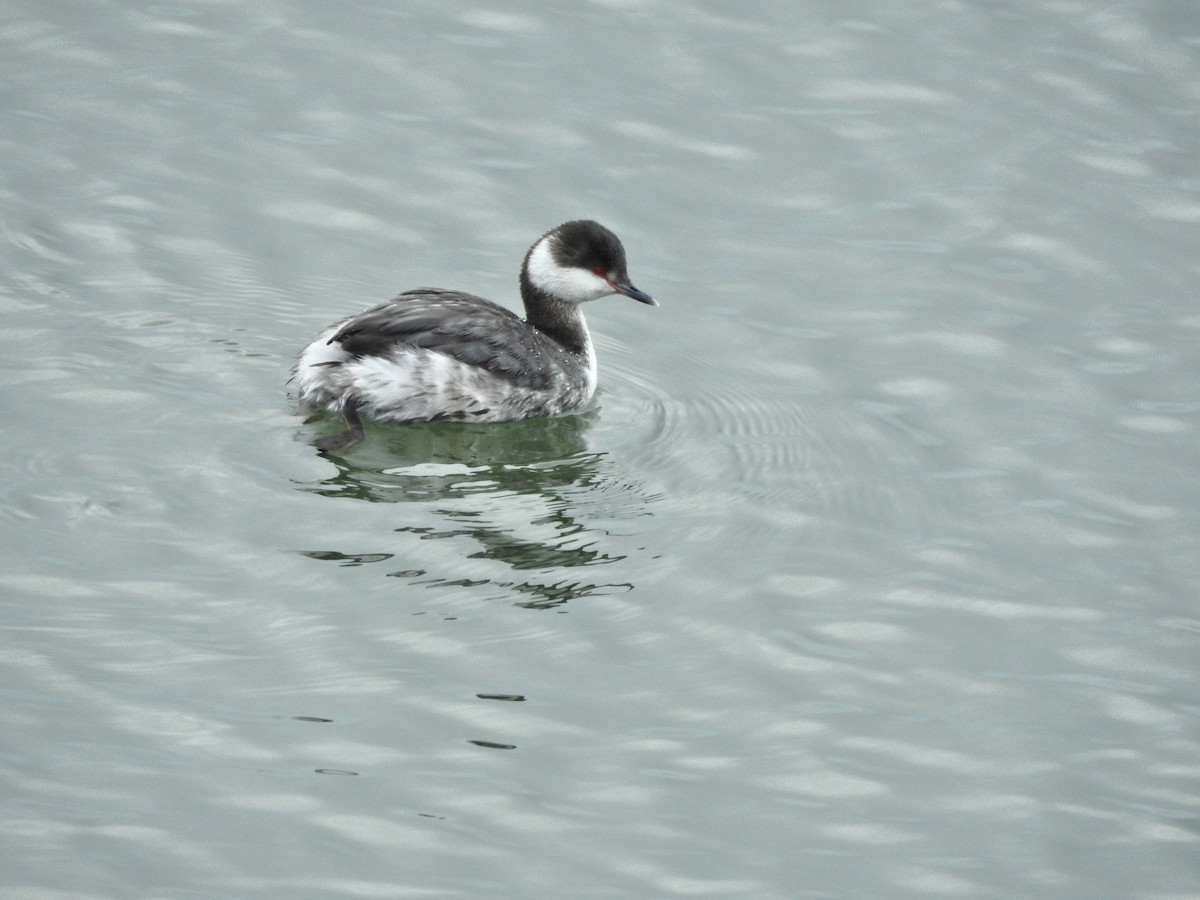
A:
(870, 574)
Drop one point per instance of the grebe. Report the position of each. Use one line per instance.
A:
(434, 355)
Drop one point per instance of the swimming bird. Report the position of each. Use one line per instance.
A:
(433, 355)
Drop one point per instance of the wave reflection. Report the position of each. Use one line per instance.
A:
(477, 503)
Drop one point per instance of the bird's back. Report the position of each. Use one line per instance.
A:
(434, 354)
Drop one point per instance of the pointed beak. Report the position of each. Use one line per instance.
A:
(630, 291)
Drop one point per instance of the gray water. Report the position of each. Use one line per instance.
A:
(872, 573)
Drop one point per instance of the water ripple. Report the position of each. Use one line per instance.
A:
(729, 444)
(482, 503)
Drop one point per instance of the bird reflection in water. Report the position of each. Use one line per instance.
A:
(524, 494)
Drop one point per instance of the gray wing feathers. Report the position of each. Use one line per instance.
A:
(464, 327)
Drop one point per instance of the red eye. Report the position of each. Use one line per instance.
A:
(599, 270)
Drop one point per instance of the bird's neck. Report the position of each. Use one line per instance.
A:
(561, 321)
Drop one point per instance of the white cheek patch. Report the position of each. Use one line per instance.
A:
(566, 283)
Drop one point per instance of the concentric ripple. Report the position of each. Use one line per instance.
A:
(770, 452)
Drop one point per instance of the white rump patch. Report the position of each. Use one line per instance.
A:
(317, 369)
